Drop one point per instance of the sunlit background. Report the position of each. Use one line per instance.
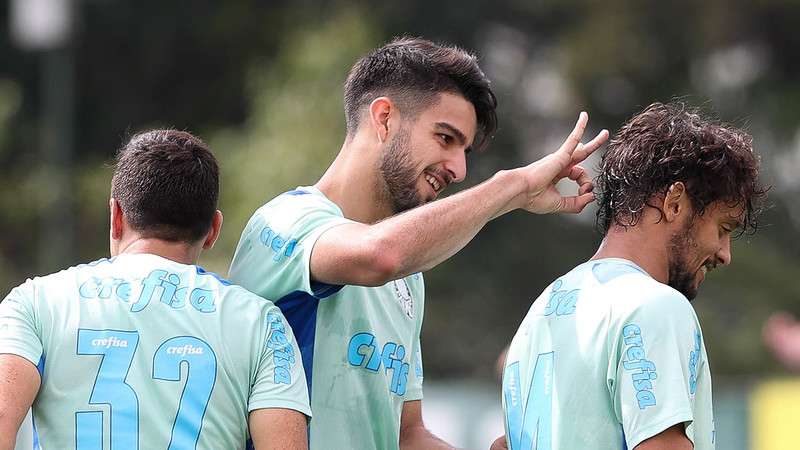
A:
(261, 82)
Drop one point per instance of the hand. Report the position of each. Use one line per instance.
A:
(499, 444)
(781, 334)
(541, 177)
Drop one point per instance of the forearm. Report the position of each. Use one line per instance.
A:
(419, 438)
(421, 238)
(8, 439)
(424, 237)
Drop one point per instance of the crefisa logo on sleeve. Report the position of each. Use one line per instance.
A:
(403, 294)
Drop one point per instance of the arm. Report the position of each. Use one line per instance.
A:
(278, 429)
(660, 372)
(413, 434)
(19, 383)
(423, 237)
(673, 438)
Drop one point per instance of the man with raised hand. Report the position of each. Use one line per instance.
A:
(342, 258)
(611, 354)
(146, 349)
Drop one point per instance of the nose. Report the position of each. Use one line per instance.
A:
(457, 166)
(724, 252)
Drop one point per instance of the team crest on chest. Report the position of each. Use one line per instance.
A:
(403, 294)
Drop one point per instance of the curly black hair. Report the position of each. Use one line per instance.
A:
(667, 143)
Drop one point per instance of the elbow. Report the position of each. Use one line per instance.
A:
(384, 264)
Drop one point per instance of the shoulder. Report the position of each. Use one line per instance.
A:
(68, 277)
(290, 213)
(54, 286)
(296, 202)
(240, 297)
(22, 292)
(640, 297)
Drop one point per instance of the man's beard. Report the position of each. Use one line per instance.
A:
(398, 174)
(680, 276)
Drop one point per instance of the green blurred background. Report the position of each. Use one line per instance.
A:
(261, 82)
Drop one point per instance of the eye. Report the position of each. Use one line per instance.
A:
(446, 138)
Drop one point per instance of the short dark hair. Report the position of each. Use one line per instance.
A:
(167, 185)
(413, 72)
(667, 143)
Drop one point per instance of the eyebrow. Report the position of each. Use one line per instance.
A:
(460, 137)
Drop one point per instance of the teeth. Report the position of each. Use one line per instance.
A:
(432, 182)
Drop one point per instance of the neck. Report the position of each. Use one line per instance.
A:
(639, 245)
(181, 252)
(352, 182)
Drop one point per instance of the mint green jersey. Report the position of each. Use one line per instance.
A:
(606, 358)
(141, 352)
(360, 345)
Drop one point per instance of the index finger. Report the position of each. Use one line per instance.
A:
(583, 151)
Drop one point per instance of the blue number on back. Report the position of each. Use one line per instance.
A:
(531, 421)
(200, 380)
(117, 349)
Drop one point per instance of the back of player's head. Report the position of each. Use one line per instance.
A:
(668, 143)
(413, 72)
(167, 185)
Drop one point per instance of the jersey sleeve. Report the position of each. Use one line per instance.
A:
(274, 253)
(655, 347)
(20, 330)
(279, 381)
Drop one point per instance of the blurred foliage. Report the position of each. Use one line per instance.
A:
(295, 123)
(261, 82)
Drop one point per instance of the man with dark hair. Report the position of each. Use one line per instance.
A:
(343, 258)
(146, 349)
(611, 354)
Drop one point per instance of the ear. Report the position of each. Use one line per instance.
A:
(380, 111)
(117, 222)
(676, 202)
(213, 233)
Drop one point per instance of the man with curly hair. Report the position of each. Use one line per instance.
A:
(611, 354)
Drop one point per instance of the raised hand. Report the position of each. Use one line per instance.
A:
(541, 196)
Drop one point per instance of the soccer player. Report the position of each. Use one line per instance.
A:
(343, 258)
(146, 349)
(611, 354)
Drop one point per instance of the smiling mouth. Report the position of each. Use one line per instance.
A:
(434, 182)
